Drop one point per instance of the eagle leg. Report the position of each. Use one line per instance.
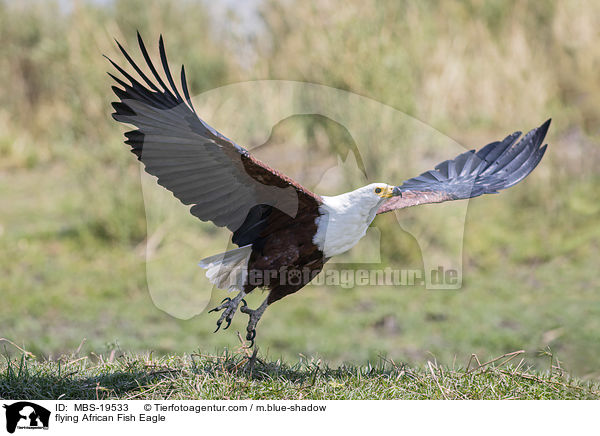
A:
(230, 305)
(255, 315)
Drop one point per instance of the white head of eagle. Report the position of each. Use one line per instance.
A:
(345, 218)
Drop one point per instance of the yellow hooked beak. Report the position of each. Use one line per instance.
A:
(387, 192)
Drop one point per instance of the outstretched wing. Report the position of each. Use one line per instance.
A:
(201, 167)
(496, 166)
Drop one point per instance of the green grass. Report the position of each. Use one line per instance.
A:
(238, 375)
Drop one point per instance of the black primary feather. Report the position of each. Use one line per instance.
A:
(496, 166)
(220, 180)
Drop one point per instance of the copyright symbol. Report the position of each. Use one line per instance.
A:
(147, 407)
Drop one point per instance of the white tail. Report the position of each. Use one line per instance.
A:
(228, 270)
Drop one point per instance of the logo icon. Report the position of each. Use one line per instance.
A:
(26, 415)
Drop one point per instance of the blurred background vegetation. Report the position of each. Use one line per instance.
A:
(72, 217)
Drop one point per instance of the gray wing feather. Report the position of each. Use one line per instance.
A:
(496, 166)
(197, 164)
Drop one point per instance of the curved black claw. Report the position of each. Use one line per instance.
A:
(250, 337)
(229, 307)
(220, 306)
(244, 304)
(254, 315)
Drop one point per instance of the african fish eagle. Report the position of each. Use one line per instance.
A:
(278, 233)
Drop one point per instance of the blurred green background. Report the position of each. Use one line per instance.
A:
(72, 219)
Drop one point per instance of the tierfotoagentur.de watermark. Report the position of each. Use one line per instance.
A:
(349, 278)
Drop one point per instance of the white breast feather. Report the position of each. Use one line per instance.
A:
(344, 221)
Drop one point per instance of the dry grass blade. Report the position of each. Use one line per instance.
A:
(508, 356)
(436, 379)
(22, 350)
(543, 381)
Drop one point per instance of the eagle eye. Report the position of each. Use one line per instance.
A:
(377, 190)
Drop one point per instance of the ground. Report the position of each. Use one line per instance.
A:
(238, 374)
